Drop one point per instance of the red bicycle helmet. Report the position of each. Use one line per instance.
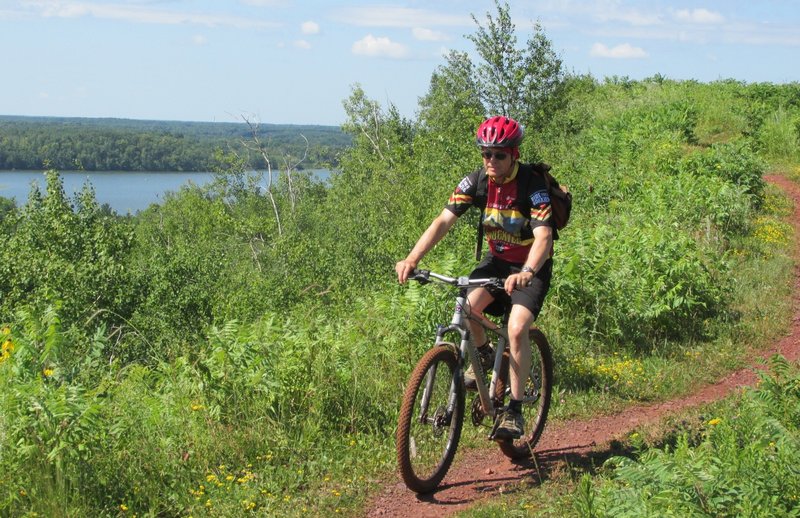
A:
(499, 131)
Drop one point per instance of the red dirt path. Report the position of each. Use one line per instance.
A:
(486, 473)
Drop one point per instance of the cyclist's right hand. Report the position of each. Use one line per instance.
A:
(404, 269)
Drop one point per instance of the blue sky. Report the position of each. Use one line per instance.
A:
(295, 61)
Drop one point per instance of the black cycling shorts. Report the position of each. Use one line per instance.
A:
(532, 297)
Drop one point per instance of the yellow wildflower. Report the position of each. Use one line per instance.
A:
(47, 372)
(6, 330)
(715, 421)
(123, 507)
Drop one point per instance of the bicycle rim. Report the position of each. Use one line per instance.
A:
(427, 438)
(536, 404)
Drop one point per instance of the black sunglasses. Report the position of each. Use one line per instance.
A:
(489, 154)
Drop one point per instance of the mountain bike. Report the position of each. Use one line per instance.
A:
(432, 412)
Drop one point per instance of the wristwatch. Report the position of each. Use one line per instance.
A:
(527, 269)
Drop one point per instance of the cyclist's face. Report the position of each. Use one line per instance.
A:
(497, 163)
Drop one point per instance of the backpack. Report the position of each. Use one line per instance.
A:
(560, 198)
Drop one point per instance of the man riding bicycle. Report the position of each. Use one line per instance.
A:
(520, 239)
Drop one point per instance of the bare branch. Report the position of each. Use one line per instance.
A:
(262, 150)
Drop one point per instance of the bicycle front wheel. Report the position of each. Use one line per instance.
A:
(536, 402)
(431, 417)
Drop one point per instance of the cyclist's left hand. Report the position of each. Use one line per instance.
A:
(404, 269)
(518, 280)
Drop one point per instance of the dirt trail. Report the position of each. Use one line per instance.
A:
(485, 473)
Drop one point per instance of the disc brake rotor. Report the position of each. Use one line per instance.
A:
(440, 421)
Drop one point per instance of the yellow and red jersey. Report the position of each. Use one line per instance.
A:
(509, 216)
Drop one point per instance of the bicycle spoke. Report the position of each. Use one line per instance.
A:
(430, 421)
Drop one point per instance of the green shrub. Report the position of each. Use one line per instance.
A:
(735, 162)
(779, 137)
(58, 250)
(638, 283)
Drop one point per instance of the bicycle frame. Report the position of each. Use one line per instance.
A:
(467, 348)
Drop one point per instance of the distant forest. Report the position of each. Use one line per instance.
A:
(68, 144)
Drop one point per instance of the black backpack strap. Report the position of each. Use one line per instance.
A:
(480, 201)
(552, 185)
(524, 178)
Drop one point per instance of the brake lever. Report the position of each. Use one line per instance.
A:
(497, 283)
(421, 276)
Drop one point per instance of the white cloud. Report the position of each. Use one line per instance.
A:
(371, 46)
(703, 16)
(388, 16)
(428, 35)
(139, 14)
(630, 17)
(624, 51)
(199, 39)
(309, 27)
(302, 44)
(599, 11)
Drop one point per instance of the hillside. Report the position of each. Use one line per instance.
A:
(90, 144)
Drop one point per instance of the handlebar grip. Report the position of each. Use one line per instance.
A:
(421, 276)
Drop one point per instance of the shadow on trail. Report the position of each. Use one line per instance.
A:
(546, 464)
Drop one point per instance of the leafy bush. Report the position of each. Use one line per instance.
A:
(632, 282)
(52, 416)
(735, 162)
(780, 135)
(68, 253)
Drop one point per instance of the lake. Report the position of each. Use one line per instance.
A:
(125, 192)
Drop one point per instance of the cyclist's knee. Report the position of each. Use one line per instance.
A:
(519, 323)
(517, 340)
(478, 299)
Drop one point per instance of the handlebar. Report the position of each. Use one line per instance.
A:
(425, 276)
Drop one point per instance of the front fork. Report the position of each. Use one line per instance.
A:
(467, 350)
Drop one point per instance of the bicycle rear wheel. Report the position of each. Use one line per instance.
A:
(536, 402)
(431, 417)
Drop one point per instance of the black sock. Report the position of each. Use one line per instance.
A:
(515, 405)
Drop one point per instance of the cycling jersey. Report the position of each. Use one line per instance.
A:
(508, 227)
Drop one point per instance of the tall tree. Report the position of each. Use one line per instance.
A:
(518, 82)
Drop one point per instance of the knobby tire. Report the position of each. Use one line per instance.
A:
(426, 447)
